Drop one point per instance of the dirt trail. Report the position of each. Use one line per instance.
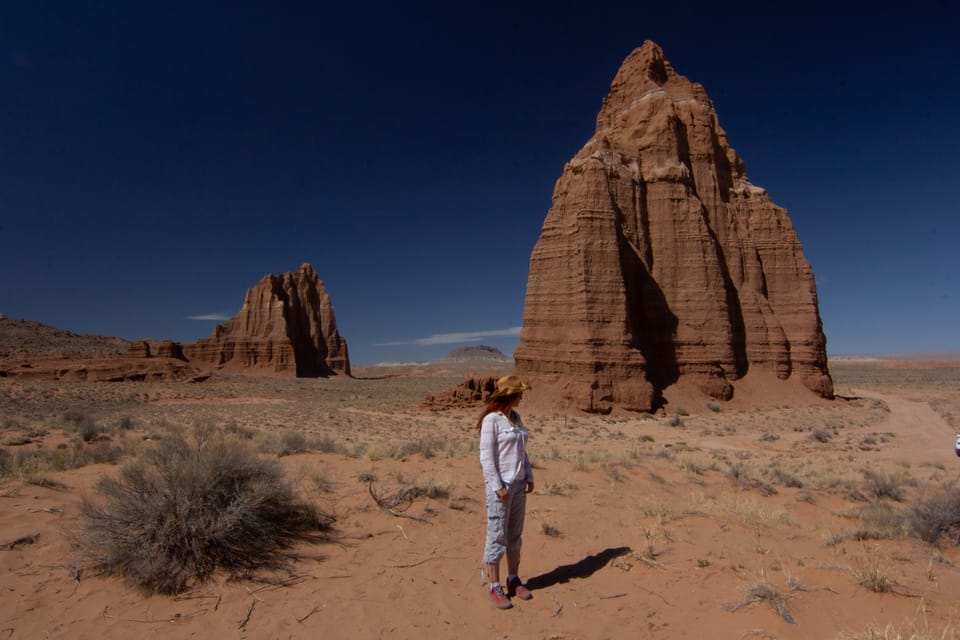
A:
(923, 436)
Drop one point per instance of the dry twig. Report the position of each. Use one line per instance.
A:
(313, 611)
(246, 618)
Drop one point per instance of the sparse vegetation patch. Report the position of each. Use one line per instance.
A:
(180, 512)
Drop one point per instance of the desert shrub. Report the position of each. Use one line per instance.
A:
(675, 421)
(884, 485)
(879, 521)
(737, 472)
(83, 424)
(785, 478)
(424, 446)
(821, 435)
(181, 511)
(936, 515)
(80, 454)
(326, 444)
(293, 442)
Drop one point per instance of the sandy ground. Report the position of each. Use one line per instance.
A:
(751, 523)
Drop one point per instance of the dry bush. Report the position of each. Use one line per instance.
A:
(884, 485)
(25, 463)
(821, 435)
(784, 477)
(879, 521)
(937, 515)
(182, 511)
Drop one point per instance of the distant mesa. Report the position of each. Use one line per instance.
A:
(477, 353)
(286, 327)
(659, 263)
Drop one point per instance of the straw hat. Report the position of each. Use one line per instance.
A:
(509, 385)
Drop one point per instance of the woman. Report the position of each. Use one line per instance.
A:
(508, 478)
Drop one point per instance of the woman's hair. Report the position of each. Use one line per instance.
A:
(496, 404)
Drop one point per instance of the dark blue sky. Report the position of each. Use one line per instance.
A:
(158, 158)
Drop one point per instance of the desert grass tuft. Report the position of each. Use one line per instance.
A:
(872, 572)
(560, 488)
(183, 510)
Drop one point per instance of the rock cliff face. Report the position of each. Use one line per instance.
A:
(659, 261)
(286, 327)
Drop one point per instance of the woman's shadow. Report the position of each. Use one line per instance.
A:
(582, 569)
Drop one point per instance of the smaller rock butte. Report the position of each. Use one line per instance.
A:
(286, 327)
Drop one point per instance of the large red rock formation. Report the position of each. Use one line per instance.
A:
(659, 261)
(286, 327)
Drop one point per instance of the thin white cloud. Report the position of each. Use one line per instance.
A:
(216, 317)
(454, 338)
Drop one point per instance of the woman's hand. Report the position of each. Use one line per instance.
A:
(502, 494)
(529, 487)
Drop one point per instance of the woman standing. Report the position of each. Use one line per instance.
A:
(508, 478)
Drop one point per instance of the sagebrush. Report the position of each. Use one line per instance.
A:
(180, 512)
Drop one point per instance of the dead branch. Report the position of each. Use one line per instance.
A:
(399, 502)
(246, 618)
(313, 611)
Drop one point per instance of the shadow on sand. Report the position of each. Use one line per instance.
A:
(583, 569)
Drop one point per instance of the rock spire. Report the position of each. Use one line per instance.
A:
(659, 261)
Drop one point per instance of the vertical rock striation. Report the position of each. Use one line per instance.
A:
(659, 261)
(286, 327)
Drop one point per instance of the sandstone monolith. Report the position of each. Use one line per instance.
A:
(659, 261)
(286, 327)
